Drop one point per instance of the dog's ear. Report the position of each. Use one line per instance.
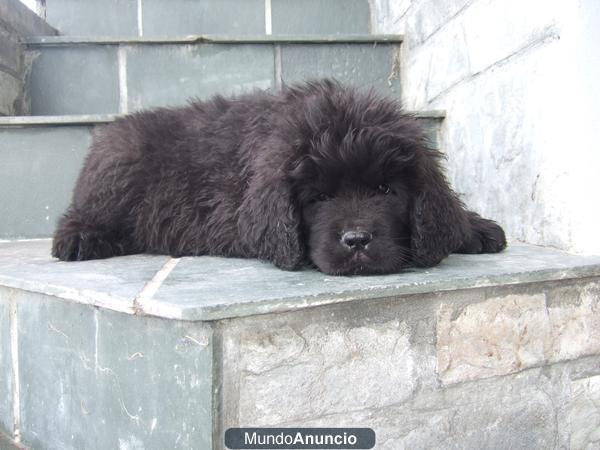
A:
(269, 218)
(438, 219)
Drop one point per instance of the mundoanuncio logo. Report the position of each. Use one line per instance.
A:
(300, 438)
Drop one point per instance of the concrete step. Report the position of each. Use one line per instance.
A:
(499, 351)
(114, 75)
(41, 157)
(181, 17)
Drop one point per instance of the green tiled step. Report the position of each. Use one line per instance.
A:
(180, 17)
(112, 75)
(151, 352)
(41, 157)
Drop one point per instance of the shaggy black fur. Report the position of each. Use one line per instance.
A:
(318, 173)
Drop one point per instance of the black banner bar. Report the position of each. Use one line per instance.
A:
(299, 438)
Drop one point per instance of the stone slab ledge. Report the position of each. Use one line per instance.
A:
(216, 39)
(211, 288)
(97, 119)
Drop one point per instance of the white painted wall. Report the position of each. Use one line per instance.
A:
(520, 81)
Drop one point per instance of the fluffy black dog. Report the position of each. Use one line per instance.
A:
(318, 173)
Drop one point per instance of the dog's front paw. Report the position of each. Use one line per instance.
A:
(493, 239)
(486, 237)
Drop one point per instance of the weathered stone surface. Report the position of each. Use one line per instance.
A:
(108, 283)
(320, 17)
(196, 288)
(75, 80)
(20, 19)
(325, 368)
(10, 92)
(361, 65)
(583, 416)
(6, 368)
(498, 336)
(93, 17)
(574, 316)
(114, 76)
(494, 66)
(12, 70)
(450, 40)
(484, 21)
(427, 18)
(387, 14)
(520, 412)
(508, 333)
(182, 72)
(210, 288)
(92, 378)
(10, 51)
(37, 175)
(184, 17)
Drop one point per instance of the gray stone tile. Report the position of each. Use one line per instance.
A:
(208, 288)
(320, 17)
(184, 17)
(84, 79)
(93, 17)
(56, 366)
(6, 388)
(75, 80)
(361, 65)
(183, 71)
(37, 175)
(161, 371)
(98, 379)
(112, 283)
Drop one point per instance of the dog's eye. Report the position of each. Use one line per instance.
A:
(321, 197)
(384, 189)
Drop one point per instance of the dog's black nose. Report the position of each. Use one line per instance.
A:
(356, 239)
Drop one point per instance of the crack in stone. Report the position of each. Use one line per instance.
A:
(446, 22)
(549, 34)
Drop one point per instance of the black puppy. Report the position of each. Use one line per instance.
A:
(318, 173)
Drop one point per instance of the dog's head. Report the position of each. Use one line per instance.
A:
(354, 188)
(363, 192)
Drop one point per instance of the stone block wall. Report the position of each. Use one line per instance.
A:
(499, 367)
(16, 22)
(519, 83)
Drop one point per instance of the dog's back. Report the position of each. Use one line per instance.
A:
(165, 181)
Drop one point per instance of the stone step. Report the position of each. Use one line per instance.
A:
(41, 157)
(152, 352)
(117, 75)
(181, 17)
